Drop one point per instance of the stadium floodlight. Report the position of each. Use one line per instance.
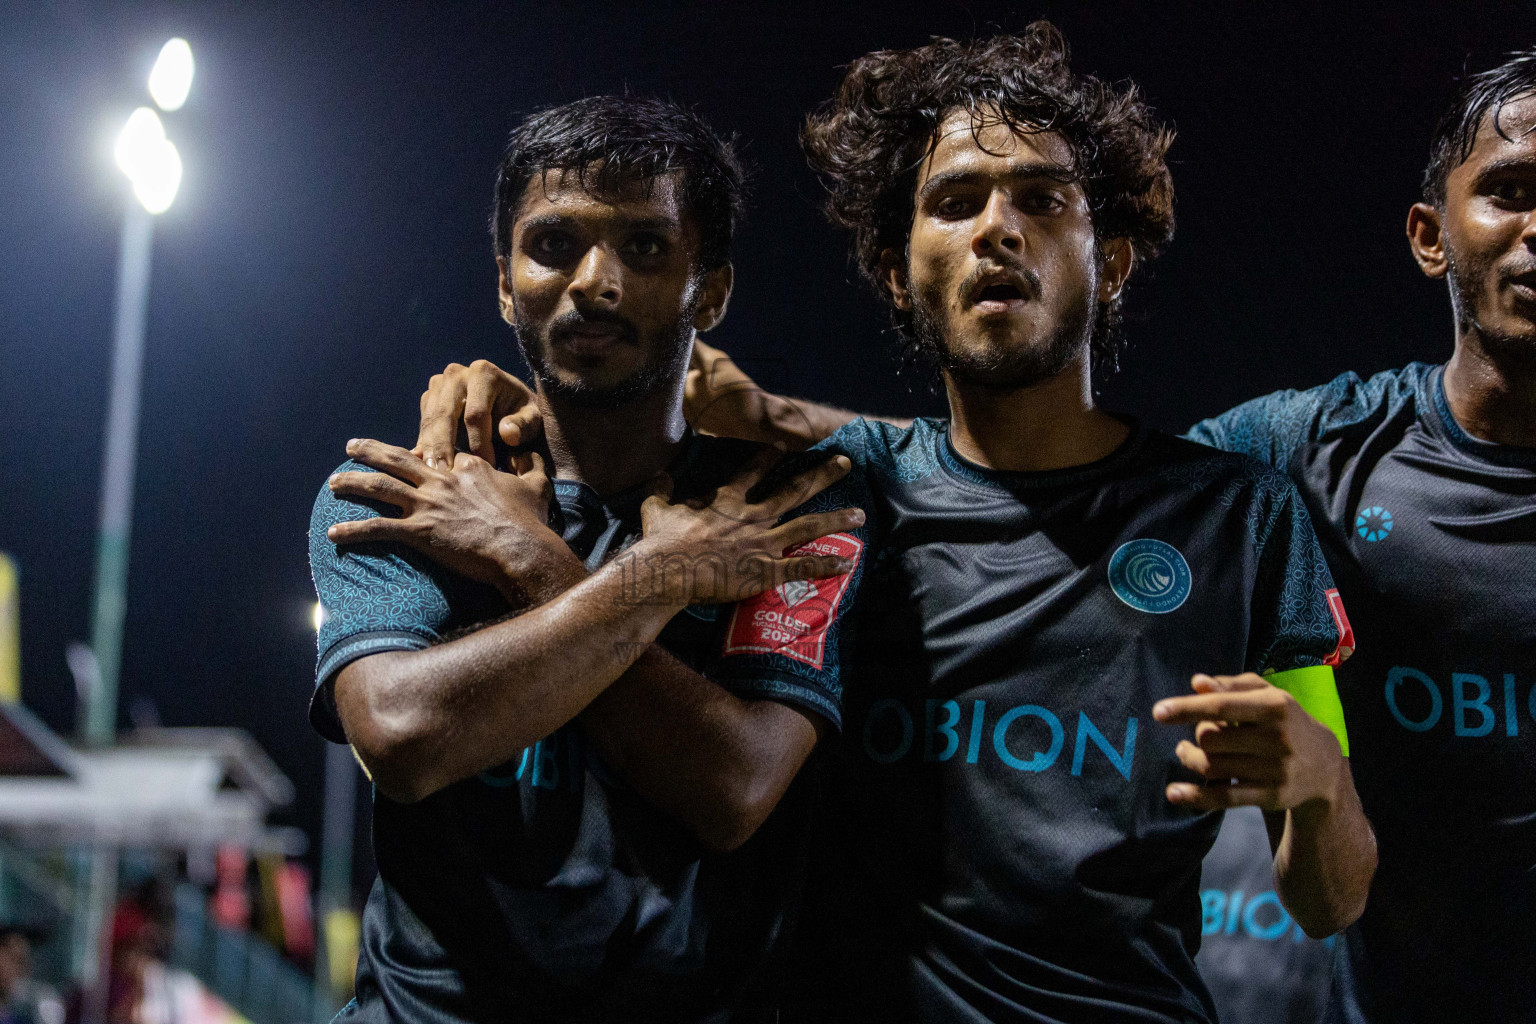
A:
(319, 616)
(171, 78)
(150, 160)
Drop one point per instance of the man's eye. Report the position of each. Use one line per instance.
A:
(645, 245)
(551, 245)
(952, 207)
(1043, 202)
(1512, 192)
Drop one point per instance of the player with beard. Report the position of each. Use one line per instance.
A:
(1421, 480)
(1026, 783)
(1424, 482)
(561, 759)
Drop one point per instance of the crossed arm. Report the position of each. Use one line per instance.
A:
(1245, 729)
(421, 720)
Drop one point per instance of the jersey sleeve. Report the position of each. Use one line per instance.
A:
(789, 644)
(1297, 619)
(373, 598)
(1270, 429)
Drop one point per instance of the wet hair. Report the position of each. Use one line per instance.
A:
(1483, 93)
(869, 140)
(616, 142)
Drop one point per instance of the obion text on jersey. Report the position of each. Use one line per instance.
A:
(1025, 737)
(1477, 705)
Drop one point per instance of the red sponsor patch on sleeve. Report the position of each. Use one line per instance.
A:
(794, 617)
(1346, 633)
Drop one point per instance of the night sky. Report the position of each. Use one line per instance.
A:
(328, 252)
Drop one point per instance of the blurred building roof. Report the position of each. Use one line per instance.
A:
(159, 788)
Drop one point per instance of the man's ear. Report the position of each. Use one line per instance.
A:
(1426, 240)
(893, 273)
(1119, 260)
(714, 297)
(503, 289)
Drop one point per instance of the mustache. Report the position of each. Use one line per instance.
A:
(565, 323)
(992, 266)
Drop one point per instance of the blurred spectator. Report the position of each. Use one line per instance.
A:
(24, 1000)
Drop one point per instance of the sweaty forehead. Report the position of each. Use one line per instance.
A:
(563, 193)
(1517, 123)
(961, 146)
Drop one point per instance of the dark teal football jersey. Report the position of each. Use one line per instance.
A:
(996, 842)
(1431, 535)
(546, 889)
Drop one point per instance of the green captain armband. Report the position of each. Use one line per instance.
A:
(1314, 689)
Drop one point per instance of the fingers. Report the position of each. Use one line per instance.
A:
(1215, 738)
(523, 426)
(441, 406)
(1247, 769)
(390, 459)
(374, 487)
(478, 421)
(528, 464)
(756, 468)
(364, 531)
(812, 567)
(1218, 796)
(529, 467)
(804, 529)
(464, 462)
(806, 485)
(1203, 683)
(1255, 706)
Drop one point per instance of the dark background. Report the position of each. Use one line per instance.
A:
(328, 252)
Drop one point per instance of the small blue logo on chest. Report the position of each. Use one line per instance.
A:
(1373, 523)
(1149, 575)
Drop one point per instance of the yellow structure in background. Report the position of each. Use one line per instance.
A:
(343, 933)
(10, 632)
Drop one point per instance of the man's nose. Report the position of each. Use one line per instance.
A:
(998, 230)
(598, 278)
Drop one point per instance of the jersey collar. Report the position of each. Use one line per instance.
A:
(960, 467)
(1442, 423)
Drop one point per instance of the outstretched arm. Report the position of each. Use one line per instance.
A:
(719, 399)
(1254, 744)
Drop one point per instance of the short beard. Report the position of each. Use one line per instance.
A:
(672, 348)
(1006, 370)
(1463, 277)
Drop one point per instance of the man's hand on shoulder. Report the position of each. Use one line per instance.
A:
(483, 524)
(733, 547)
(488, 399)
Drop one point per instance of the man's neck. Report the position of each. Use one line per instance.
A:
(612, 450)
(1492, 402)
(1050, 425)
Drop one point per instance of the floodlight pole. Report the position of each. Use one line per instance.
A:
(98, 712)
(97, 724)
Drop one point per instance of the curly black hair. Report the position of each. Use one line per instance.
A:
(869, 140)
(615, 141)
(1480, 94)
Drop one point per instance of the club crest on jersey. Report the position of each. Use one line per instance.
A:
(794, 617)
(1149, 575)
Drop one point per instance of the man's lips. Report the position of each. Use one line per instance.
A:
(1525, 285)
(590, 340)
(998, 292)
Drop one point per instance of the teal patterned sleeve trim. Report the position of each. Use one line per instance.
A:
(373, 598)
